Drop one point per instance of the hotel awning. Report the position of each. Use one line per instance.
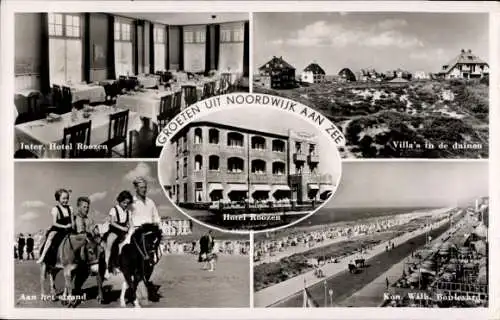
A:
(237, 187)
(260, 187)
(313, 186)
(214, 186)
(325, 188)
(280, 187)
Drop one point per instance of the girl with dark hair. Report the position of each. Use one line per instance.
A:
(62, 221)
(119, 224)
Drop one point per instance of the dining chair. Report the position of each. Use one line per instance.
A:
(225, 83)
(74, 138)
(112, 90)
(190, 95)
(57, 96)
(207, 90)
(117, 133)
(178, 100)
(167, 111)
(81, 103)
(67, 100)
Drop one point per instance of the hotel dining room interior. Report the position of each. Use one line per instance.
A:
(96, 85)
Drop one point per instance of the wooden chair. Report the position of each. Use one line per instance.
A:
(225, 83)
(67, 100)
(77, 135)
(122, 84)
(80, 104)
(31, 107)
(112, 90)
(166, 111)
(57, 97)
(207, 91)
(190, 95)
(178, 100)
(117, 132)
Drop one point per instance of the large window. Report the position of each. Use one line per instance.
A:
(231, 47)
(65, 48)
(194, 48)
(159, 47)
(123, 49)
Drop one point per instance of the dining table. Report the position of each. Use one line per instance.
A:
(93, 92)
(149, 81)
(44, 138)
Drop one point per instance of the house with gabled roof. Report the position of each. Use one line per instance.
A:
(277, 74)
(465, 66)
(313, 73)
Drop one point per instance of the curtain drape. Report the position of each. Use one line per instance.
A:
(44, 54)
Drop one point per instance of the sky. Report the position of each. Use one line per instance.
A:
(265, 119)
(36, 183)
(407, 183)
(384, 41)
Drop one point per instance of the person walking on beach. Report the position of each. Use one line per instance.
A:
(30, 244)
(21, 243)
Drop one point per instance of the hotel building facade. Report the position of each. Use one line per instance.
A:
(216, 162)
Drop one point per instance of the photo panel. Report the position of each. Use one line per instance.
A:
(111, 222)
(239, 169)
(101, 85)
(399, 84)
(396, 234)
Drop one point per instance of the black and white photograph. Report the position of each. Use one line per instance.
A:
(243, 169)
(396, 234)
(102, 234)
(100, 85)
(399, 84)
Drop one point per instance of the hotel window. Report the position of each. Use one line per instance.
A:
(198, 136)
(184, 142)
(313, 168)
(213, 136)
(312, 149)
(184, 167)
(198, 163)
(159, 47)
(185, 192)
(194, 48)
(231, 47)
(213, 163)
(65, 48)
(258, 143)
(258, 166)
(278, 168)
(177, 170)
(235, 139)
(298, 147)
(123, 49)
(298, 168)
(235, 165)
(278, 146)
(198, 191)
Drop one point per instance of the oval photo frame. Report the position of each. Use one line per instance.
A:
(242, 167)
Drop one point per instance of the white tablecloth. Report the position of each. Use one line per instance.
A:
(41, 134)
(146, 104)
(94, 93)
(149, 81)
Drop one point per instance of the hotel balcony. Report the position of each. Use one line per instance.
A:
(299, 157)
(313, 158)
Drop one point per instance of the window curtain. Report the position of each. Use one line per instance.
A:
(231, 48)
(44, 54)
(110, 58)
(124, 58)
(246, 49)
(65, 60)
(194, 49)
